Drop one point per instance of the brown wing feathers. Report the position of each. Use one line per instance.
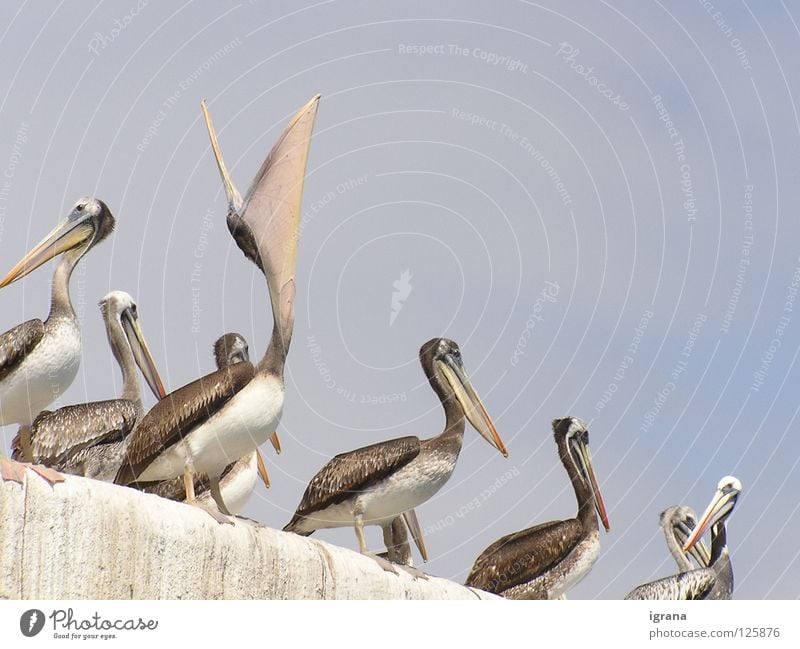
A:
(353, 472)
(520, 557)
(67, 431)
(178, 413)
(16, 343)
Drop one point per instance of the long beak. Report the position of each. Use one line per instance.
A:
(699, 551)
(456, 376)
(141, 354)
(235, 201)
(262, 469)
(410, 518)
(599, 505)
(66, 236)
(276, 443)
(717, 508)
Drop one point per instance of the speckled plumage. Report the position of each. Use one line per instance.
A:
(175, 416)
(86, 439)
(89, 439)
(16, 343)
(714, 581)
(348, 474)
(376, 484)
(546, 560)
(694, 584)
(523, 556)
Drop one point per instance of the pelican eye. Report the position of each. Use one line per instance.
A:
(79, 207)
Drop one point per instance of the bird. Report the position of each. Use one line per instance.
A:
(39, 360)
(239, 478)
(715, 581)
(221, 417)
(89, 439)
(545, 561)
(677, 524)
(375, 484)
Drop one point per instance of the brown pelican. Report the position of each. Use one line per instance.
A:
(375, 484)
(239, 478)
(714, 581)
(39, 360)
(220, 418)
(545, 561)
(89, 439)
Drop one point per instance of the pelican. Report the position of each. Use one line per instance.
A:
(375, 484)
(89, 439)
(677, 524)
(545, 561)
(220, 418)
(39, 360)
(239, 478)
(714, 581)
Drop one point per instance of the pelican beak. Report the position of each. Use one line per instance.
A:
(262, 469)
(234, 198)
(588, 470)
(67, 235)
(699, 551)
(453, 370)
(276, 443)
(412, 522)
(718, 509)
(141, 353)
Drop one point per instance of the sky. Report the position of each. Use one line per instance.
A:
(596, 200)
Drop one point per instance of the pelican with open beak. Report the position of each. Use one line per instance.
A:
(39, 360)
(226, 415)
(375, 484)
(546, 560)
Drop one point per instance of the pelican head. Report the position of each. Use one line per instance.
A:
(575, 436)
(441, 361)
(121, 307)
(88, 223)
(229, 349)
(718, 510)
(680, 522)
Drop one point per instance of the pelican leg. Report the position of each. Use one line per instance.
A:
(191, 499)
(262, 469)
(397, 550)
(395, 536)
(216, 494)
(358, 523)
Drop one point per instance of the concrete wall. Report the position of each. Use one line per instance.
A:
(88, 539)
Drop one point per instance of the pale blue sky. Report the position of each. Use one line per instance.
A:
(487, 163)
